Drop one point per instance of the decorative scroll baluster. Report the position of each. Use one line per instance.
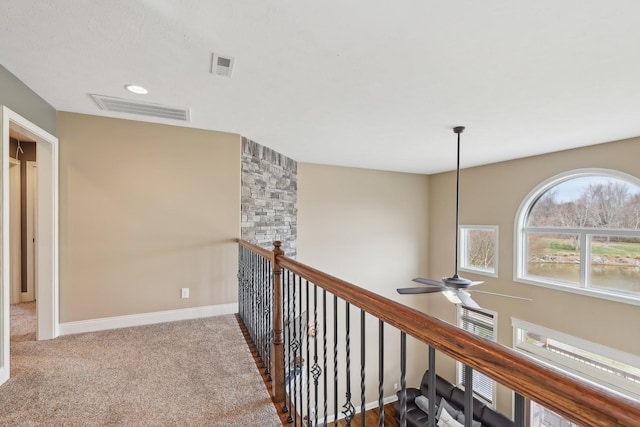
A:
(381, 373)
(303, 360)
(362, 373)
(349, 410)
(315, 369)
(293, 369)
(308, 360)
(263, 316)
(261, 303)
(268, 308)
(250, 294)
(403, 381)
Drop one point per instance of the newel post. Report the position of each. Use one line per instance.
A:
(277, 346)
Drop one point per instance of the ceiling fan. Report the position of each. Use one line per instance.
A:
(455, 288)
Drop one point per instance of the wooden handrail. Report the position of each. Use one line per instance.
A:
(575, 399)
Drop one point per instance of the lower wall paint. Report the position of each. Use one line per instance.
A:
(106, 323)
(145, 210)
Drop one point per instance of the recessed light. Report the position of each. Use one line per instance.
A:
(136, 89)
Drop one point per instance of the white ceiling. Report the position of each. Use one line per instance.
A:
(364, 83)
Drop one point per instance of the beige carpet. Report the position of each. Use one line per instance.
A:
(189, 373)
(23, 321)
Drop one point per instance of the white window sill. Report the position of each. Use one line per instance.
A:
(590, 292)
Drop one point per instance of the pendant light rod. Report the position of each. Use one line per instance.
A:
(458, 130)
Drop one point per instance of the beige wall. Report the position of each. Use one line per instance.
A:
(491, 195)
(369, 228)
(145, 209)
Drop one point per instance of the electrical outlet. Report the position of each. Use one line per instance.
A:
(184, 293)
(395, 386)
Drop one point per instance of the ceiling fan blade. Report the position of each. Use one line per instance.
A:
(466, 299)
(429, 282)
(418, 290)
(476, 283)
(501, 295)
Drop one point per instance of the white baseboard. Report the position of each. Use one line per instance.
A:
(105, 323)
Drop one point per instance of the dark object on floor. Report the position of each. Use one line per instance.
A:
(416, 417)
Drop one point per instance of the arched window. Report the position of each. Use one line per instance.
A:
(580, 231)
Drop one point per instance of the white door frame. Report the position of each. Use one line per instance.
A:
(47, 223)
(32, 229)
(14, 235)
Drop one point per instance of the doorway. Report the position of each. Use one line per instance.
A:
(46, 220)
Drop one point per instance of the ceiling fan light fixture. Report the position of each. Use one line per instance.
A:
(452, 296)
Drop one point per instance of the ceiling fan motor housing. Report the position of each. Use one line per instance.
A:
(457, 282)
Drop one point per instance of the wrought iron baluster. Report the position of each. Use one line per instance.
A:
(240, 296)
(308, 361)
(296, 359)
(251, 298)
(362, 366)
(268, 308)
(431, 391)
(287, 339)
(381, 373)
(468, 395)
(315, 370)
(519, 410)
(260, 319)
(335, 359)
(324, 358)
(403, 382)
(349, 410)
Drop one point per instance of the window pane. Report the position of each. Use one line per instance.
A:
(593, 202)
(542, 417)
(478, 246)
(554, 256)
(481, 248)
(615, 263)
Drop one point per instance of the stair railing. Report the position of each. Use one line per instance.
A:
(300, 322)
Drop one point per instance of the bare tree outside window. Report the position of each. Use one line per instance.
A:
(478, 249)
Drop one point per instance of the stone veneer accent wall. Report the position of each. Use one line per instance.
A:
(269, 197)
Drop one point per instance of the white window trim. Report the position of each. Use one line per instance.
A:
(462, 244)
(519, 255)
(569, 365)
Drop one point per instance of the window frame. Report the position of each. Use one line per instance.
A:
(463, 249)
(521, 232)
(460, 366)
(576, 368)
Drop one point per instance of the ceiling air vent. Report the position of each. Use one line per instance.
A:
(121, 105)
(221, 65)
